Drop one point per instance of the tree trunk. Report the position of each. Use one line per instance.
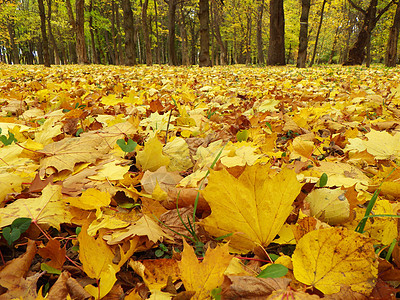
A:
(248, 40)
(318, 32)
(51, 36)
(333, 46)
(171, 33)
(260, 52)
(119, 38)
(129, 28)
(357, 52)
(217, 32)
(391, 49)
(146, 34)
(303, 38)
(204, 18)
(276, 49)
(91, 29)
(368, 58)
(114, 55)
(45, 43)
(158, 55)
(11, 33)
(80, 31)
(193, 42)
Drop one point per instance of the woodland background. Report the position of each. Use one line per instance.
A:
(187, 32)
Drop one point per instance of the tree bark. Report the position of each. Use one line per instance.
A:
(146, 34)
(303, 36)
(204, 19)
(260, 52)
(45, 43)
(158, 54)
(114, 55)
(11, 33)
(318, 32)
(357, 52)
(276, 49)
(80, 31)
(218, 37)
(391, 49)
(129, 28)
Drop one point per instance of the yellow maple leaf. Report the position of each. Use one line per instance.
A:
(178, 151)
(47, 209)
(152, 158)
(155, 272)
(203, 277)
(97, 262)
(91, 199)
(331, 257)
(9, 183)
(145, 226)
(381, 144)
(253, 206)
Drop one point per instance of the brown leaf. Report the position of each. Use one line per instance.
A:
(59, 290)
(54, 252)
(17, 268)
(76, 290)
(298, 295)
(247, 287)
(172, 220)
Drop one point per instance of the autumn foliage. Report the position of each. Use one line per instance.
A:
(189, 183)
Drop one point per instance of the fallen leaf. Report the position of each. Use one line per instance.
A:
(48, 209)
(203, 277)
(17, 268)
(145, 226)
(254, 206)
(247, 287)
(151, 157)
(91, 199)
(331, 257)
(329, 205)
(54, 253)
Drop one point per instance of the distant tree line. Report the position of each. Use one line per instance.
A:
(204, 32)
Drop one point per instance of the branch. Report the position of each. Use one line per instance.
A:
(357, 7)
(383, 10)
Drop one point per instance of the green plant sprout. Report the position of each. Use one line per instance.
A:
(273, 271)
(128, 146)
(7, 140)
(13, 232)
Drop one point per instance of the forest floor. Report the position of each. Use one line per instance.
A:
(186, 182)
